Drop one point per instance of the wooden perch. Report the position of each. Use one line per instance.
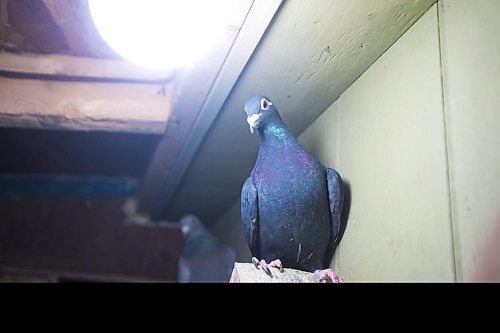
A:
(244, 272)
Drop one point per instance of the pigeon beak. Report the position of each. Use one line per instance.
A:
(253, 121)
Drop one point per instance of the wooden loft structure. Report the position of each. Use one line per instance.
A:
(89, 141)
(82, 127)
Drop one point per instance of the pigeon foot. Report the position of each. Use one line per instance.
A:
(328, 275)
(265, 266)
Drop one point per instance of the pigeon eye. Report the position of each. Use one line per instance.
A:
(264, 104)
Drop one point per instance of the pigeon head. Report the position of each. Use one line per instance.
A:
(260, 111)
(189, 223)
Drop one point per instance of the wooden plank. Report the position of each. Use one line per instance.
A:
(84, 236)
(244, 272)
(257, 21)
(191, 96)
(134, 108)
(81, 67)
(471, 100)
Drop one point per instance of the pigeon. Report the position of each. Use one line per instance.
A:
(203, 258)
(291, 204)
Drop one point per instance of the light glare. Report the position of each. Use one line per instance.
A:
(160, 34)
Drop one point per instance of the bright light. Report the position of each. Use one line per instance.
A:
(161, 34)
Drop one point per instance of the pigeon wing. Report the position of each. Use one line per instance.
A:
(336, 201)
(250, 214)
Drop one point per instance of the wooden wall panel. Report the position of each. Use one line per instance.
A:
(84, 236)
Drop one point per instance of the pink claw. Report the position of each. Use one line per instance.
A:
(328, 275)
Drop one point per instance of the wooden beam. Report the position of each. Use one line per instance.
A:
(257, 21)
(80, 68)
(191, 97)
(244, 272)
(137, 108)
(84, 236)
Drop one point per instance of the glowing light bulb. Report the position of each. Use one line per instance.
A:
(161, 34)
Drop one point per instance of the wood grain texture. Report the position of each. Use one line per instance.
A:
(84, 106)
(243, 272)
(85, 236)
(250, 35)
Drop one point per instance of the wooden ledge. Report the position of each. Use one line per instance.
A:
(246, 272)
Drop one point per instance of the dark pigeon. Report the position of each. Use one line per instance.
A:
(203, 258)
(291, 204)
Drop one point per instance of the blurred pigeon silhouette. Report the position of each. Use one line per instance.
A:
(203, 258)
(291, 204)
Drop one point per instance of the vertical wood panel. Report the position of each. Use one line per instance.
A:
(390, 148)
(469, 32)
(191, 89)
(392, 151)
(86, 236)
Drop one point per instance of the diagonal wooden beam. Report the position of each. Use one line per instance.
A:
(191, 89)
(84, 236)
(203, 90)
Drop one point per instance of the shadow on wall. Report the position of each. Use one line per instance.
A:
(346, 186)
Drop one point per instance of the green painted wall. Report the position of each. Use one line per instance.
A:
(470, 39)
(389, 145)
